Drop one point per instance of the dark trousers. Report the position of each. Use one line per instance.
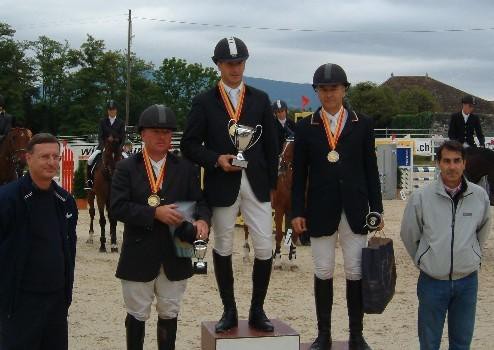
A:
(38, 323)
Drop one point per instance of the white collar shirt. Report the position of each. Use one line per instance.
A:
(333, 119)
(233, 93)
(157, 167)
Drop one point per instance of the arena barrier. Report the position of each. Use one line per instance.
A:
(413, 177)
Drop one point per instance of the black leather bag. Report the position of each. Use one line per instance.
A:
(378, 274)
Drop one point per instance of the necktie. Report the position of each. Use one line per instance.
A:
(233, 97)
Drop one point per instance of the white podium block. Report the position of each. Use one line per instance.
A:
(245, 338)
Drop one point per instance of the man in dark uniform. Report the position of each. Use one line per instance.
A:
(147, 189)
(335, 184)
(463, 124)
(7, 121)
(37, 253)
(228, 188)
(109, 126)
(285, 127)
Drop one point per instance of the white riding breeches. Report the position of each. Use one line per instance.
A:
(93, 156)
(257, 217)
(324, 252)
(139, 296)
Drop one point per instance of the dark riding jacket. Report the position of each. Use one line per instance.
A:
(147, 243)
(15, 238)
(463, 132)
(7, 122)
(106, 129)
(322, 190)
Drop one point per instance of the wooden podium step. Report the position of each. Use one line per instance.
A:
(244, 338)
(337, 345)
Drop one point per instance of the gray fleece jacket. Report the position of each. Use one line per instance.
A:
(445, 241)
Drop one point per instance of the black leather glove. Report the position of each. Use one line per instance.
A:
(186, 232)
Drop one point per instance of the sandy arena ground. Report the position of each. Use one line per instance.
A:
(96, 319)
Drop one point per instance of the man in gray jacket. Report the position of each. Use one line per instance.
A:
(444, 227)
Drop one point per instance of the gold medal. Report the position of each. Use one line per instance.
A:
(333, 156)
(154, 200)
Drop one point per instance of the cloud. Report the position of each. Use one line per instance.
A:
(378, 40)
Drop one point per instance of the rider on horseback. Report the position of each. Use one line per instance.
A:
(463, 124)
(110, 126)
(7, 121)
(285, 127)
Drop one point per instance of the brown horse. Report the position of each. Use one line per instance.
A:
(282, 204)
(12, 154)
(480, 163)
(103, 173)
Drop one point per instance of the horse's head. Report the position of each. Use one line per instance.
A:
(16, 143)
(286, 156)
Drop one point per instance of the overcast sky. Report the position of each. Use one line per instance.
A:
(370, 39)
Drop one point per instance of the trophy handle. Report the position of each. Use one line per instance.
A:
(229, 125)
(251, 144)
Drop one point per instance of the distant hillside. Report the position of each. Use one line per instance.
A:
(291, 93)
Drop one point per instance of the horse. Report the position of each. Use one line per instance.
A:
(480, 163)
(13, 154)
(282, 203)
(103, 172)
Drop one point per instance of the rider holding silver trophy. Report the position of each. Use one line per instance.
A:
(230, 132)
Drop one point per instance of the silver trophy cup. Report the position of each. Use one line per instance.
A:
(242, 137)
(200, 248)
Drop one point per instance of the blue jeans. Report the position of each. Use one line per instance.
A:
(458, 299)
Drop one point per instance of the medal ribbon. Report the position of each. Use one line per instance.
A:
(234, 114)
(154, 184)
(332, 139)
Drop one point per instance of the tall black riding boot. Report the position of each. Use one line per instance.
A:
(355, 315)
(323, 293)
(224, 277)
(261, 274)
(166, 333)
(134, 333)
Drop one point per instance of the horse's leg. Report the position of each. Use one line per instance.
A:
(246, 246)
(92, 212)
(278, 219)
(102, 223)
(113, 229)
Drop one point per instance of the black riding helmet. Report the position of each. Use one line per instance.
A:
(230, 49)
(157, 117)
(279, 105)
(329, 74)
(111, 105)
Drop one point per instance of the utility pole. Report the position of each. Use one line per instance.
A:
(127, 93)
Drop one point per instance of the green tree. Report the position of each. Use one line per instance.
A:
(179, 82)
(415, 100)
(16, 73)
(376, 101)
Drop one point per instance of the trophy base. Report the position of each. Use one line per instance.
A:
(239, 163)
(201, 269)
